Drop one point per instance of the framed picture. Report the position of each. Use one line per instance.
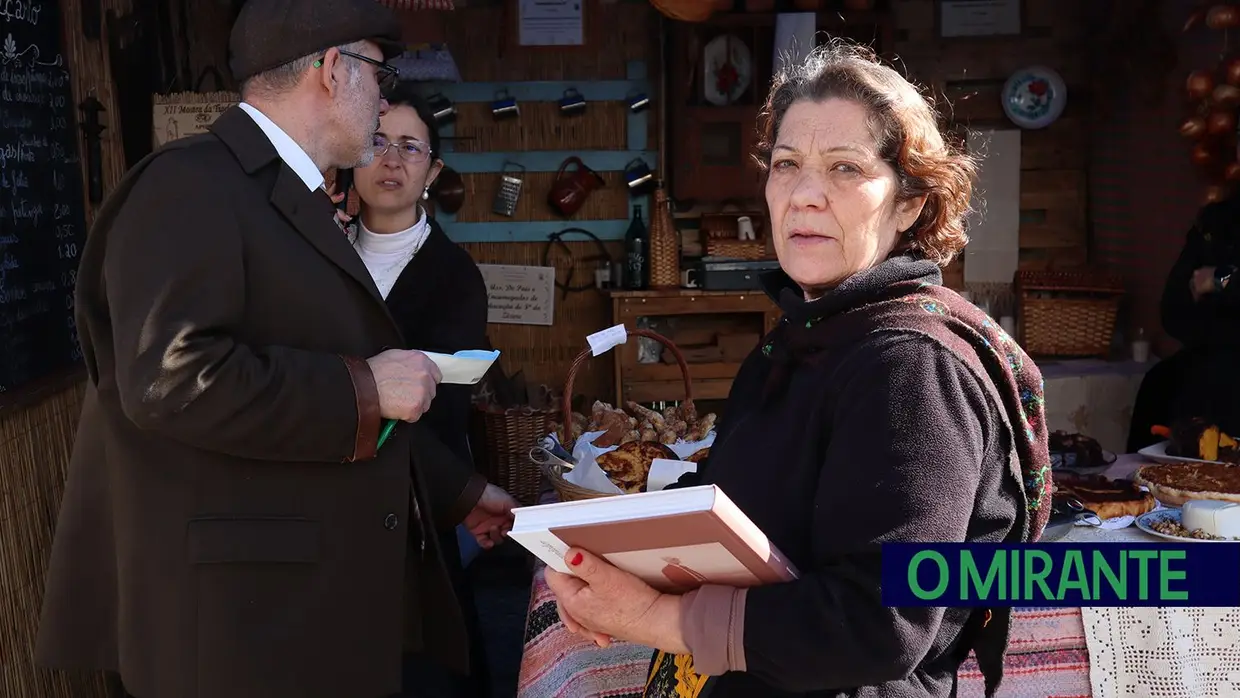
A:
(979, 18)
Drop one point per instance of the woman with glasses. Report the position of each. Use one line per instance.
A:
(436, 294)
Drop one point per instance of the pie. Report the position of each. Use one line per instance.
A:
(629, 465)
(1105, 497)
(1176, 483)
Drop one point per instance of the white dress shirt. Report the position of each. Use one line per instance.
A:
(292, 154)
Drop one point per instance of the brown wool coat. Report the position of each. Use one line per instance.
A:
(226, 529)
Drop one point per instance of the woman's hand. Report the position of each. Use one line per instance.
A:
(336, 198)
(603, 602)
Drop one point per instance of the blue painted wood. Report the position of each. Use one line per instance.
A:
(537, 231)
(546, 90)
(547, 160)
(530, 231)
(540, 91)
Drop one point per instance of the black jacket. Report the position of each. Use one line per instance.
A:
(440, 303)
(891, 439)
(1214, 320)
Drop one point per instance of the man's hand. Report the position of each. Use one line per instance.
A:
(491, 518)
(406, 381)
(1202, 282)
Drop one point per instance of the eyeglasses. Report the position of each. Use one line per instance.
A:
(385, 74)
(409, 151)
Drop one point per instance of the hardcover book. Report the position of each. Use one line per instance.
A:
(675, 540)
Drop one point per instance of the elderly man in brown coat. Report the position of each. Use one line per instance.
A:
(230, 528)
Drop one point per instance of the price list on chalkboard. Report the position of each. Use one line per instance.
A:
(42, 221)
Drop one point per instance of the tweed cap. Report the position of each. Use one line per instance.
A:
(270, 33)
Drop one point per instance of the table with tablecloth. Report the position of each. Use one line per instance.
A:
(1053, 652)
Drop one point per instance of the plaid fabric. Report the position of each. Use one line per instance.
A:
(418, 4)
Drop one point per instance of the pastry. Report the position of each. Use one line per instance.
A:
(628, 465)
(1105, 497)
(1199, 439)
(698, 456)
(1176, 483)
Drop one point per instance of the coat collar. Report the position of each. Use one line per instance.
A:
(306, 210)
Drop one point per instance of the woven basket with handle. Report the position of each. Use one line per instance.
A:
(501, 441)
(567, 491)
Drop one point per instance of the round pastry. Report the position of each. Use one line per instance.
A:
(1176, 483)
(628, 465)
(698, 455)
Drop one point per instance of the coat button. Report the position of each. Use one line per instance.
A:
(390, 522)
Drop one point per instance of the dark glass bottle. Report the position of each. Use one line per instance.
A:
(637, 253)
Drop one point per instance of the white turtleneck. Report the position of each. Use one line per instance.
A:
(387, 255)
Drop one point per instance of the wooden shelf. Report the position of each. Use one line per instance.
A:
(659, 382)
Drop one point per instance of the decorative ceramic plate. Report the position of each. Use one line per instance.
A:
(1145, 523)
(1158, 454)
(727, 69)
(1034, 97)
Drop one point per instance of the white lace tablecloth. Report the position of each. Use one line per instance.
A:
(1158, 652)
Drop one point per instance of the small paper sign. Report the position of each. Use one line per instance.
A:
(604, 341)
(519, 295)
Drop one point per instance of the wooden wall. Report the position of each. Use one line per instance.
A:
(967, 75)
(36, 439)
(621, 55)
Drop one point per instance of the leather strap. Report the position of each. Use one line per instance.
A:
(366, 443)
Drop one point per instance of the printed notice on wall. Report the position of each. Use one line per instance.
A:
(519, 295)
(177, 116)
(550, 23)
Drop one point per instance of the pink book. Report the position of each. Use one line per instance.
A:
(676, 540)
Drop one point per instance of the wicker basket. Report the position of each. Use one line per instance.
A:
(664, 244)
(566, 490)
(502, 440)
(1068, 313)
(751, 250)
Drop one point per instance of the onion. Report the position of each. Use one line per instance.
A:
(1232, 172)
(1194, 127)
(1231, 72)
(1226, 95)
(1221, 123)
(1201, 155)
(1223, 17)
(1200, 84)
(1215, 193)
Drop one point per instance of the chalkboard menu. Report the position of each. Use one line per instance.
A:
(42, 221)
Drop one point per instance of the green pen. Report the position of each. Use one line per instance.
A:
(388, 426)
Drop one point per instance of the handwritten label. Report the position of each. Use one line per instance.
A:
(42, 219)
(519, 295)
(175, 118)
(604, 341)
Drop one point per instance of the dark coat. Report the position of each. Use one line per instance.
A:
(226, 529)
(439, 302)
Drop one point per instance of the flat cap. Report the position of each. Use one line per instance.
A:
(270, 33)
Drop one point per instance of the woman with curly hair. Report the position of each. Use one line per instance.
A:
(884, 408)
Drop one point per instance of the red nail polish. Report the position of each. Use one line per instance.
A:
(576, 560)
